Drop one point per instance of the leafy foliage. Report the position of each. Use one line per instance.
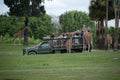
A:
(10, 25)
(41, 26)
(38, 27)
(74, 20)
(97, 9)
(25, 7)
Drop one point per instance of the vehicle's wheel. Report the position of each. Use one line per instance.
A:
(90, 47)
(63, 51)
(53, 52)
(73, 51)
(32, 53)
(81, 50)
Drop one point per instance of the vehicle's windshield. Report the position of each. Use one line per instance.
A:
(39, 44)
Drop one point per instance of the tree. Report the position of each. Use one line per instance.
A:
(74, 20)
(117, 13)
(25, 8)
(41, 27)
(8, 25)
(101, 10)
(97, 13)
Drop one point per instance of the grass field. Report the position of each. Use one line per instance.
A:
(97, 65)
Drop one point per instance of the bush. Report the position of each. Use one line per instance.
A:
(31, 40)
(9, 40)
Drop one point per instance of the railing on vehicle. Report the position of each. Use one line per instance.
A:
(61, 42)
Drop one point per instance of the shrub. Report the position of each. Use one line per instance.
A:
(9, 40)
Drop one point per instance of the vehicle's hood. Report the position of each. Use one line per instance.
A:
(33, 47)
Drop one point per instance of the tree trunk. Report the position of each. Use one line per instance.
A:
(106, 25)
(100, 34)
(116, 25)
(106, 21)
(26, 32)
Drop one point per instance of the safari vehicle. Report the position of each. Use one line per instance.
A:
(54, 46)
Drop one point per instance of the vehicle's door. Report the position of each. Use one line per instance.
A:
(44, 48)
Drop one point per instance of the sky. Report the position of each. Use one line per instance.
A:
(58, 7)
(3, 8)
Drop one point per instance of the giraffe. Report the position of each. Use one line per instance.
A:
(19, 35)
(87, 40)
(69, 43)
(108, 40)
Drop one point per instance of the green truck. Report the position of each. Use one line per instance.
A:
(55, 46)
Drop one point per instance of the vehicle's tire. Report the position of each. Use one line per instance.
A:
(32, 53)
(90, 47)
(63, 51)
(81, 50)
(73, 51)
(53, 52)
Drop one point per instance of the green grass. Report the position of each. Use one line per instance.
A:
(97, 65)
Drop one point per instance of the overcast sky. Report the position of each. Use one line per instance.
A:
(57, 7)
(3, 8)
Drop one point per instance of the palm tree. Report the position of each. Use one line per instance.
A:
(99, 10)
(106, 24)
(117, 13)
(106, 21)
